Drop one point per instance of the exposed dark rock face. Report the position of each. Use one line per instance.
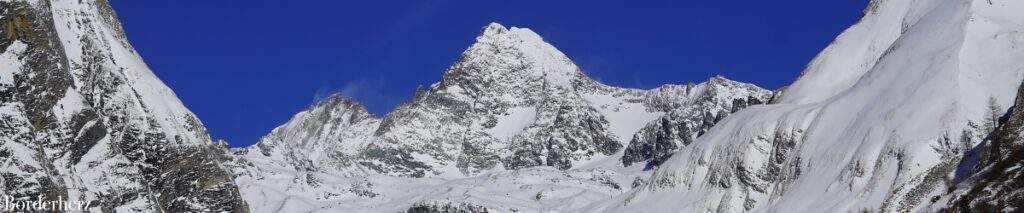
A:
(574, 131)
(510, 102)
(998, 183)
(659, 139)
(508, 74)
(328, 135)
(27, 96)
(84, 119)
(513, 100)
(446, 208)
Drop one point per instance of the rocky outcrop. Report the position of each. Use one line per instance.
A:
(326, 136)
(84, 119)
(513, 100)
(997, 185)
(717, 99)
(878, 121)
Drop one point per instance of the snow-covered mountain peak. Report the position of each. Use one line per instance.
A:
(339, 101)
(510, 102)
(323, 120)
(719, 79)
(492, 29)
(495, 30)
(512, 56)
(324, 136)
(724, 86)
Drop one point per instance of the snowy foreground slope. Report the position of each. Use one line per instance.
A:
(879, 121)
(513, 125)
(83, 119)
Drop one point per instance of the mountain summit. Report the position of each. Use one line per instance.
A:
(82, 118)
(901, 113)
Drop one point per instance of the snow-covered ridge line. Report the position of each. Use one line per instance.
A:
(879, 121)
(900, 113)
(511, 105)
(513, 85)
(83, 118)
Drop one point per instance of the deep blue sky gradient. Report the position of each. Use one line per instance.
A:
(245, 67)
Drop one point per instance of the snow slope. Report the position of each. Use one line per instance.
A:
(473, 120)
(880, 120)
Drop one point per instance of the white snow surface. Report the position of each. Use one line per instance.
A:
(514, 123)
(876, 121)
(624, 118)
(102, 82)
(142, 86)
(508, 87)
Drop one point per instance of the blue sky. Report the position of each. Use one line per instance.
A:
(245, 67)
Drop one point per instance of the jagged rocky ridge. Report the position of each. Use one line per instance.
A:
(84, 119)
(511, 101)
(679, 127)
(329, 134)
(82, 111)
(879, 121)
(890, 117)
